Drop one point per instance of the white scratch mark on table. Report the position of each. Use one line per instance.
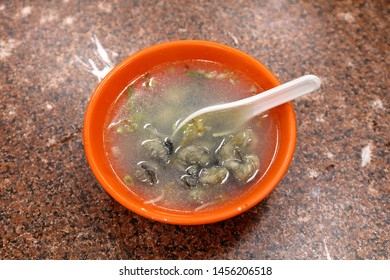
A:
(105, 7)
(49, 16)
(103, 56)
(377, 104)
(25, 11)
(366, 155)
(99, 73)
(68, 20)
(51, 141)
(316, 193)
(330, 155)
(320, 118)
(235, 40)
(49, 106)
(348, 17)
(6, 48)
(102, 52)
(328, 257)
(313, 173)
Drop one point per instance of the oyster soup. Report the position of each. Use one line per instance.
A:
(208, 162)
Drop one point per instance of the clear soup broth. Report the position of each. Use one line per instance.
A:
(207, 163)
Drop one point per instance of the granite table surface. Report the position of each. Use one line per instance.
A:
(333, 202)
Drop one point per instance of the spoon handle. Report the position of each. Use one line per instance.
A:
(283, 93)
(273, 97)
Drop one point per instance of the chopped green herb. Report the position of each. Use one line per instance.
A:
(137, 117)
(133, 123)
(253, 89)
(127, 126)
(120, 129)
(130, 91)
(128, 180)
(195, 74)
(133, 127)
(223, 75)
(211, 74)
(150, 83)
(193, 129)
(201, 74)
(197, 194)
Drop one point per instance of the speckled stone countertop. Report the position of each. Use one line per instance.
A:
(333, 202)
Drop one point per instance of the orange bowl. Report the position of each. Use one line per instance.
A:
(112, 85)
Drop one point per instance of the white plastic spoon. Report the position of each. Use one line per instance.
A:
(250, 107)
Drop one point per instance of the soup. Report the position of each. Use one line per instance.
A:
(212, 159)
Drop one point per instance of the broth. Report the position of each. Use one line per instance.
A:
(209, 164)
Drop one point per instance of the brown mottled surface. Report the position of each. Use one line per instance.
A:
(332, 203)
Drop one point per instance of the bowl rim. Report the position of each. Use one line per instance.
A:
(179, 217)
